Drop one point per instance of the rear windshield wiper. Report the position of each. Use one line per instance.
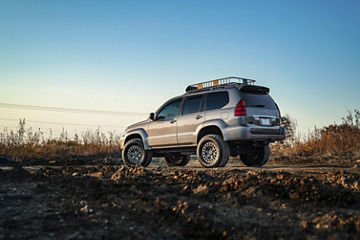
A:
(259, 105)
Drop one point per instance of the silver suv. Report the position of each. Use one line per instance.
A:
(214, 119)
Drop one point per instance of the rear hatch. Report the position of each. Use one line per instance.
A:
(261, 108)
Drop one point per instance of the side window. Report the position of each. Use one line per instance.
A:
(216, 100)
(191, 105)
(170, 110)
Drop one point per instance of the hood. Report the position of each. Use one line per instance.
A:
(141, 124)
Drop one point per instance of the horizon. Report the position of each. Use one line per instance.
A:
(132, 57)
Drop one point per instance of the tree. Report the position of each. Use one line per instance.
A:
(290, 126)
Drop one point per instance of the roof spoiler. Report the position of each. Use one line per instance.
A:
(255, 89)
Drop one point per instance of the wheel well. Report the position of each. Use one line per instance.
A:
(132, 137)
(209, 130)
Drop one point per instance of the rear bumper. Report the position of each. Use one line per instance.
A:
(254, 132)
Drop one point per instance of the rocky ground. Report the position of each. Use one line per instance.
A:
(117, 202)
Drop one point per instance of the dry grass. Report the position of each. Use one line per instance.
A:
(26, 145)
(336, 141)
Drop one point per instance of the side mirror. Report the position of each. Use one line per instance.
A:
(152, 116)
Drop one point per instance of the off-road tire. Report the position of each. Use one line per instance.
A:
(225, 160)
(176, 159)
(215, 143)
(137, 144)
(257, 155)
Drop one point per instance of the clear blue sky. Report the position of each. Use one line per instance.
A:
(134, 55)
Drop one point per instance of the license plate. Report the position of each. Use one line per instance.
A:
(265, 121)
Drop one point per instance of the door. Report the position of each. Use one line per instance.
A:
(192, 115)
(163, 130)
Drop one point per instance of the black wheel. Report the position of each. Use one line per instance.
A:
(176, 159)
(212, 151)
(134, 153)
(256, 155)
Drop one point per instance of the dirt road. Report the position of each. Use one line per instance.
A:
(161, 203)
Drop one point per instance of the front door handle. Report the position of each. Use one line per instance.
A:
(172, 121)
(198, 116)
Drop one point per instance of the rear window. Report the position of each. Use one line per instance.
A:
(259, 100)
(216, 100)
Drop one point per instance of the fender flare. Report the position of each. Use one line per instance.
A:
(143, 135)
(214, 122)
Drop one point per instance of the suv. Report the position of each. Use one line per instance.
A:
(214, 119)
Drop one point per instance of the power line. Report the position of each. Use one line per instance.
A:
(60, 123)
(55, 131)
(69, 110)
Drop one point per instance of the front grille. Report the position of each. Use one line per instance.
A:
(264, 131)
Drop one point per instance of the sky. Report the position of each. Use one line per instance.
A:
(131, 56)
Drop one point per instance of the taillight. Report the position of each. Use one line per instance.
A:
(240, 109)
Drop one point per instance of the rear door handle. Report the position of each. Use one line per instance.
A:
(172, 121)
(198, 116)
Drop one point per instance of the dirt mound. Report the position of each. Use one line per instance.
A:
(120, 202)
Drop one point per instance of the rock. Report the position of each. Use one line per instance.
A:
(251, 190)
(303, 224)
(200, 188)
(96, 174)
(85, 209)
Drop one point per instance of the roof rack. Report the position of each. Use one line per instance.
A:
(235, 81)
